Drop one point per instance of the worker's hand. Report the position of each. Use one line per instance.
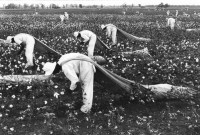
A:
(82, 43)
(80, 39)
(112, 52)
(18, 52)
(73, 86)
(51, 82)
(15, 54)
(92, 57)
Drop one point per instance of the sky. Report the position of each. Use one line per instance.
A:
(104, 2)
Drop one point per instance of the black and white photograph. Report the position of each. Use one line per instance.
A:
(99, 67)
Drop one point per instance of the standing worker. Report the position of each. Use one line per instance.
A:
(66, 16)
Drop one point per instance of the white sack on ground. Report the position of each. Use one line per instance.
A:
(23, 78)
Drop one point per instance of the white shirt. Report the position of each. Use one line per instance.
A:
(86, 35)
(170, 21)
(23, 37)
(67, 16)
(109, 29)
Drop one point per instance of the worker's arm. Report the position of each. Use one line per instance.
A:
(85, 38)
(108, 31)
(21, 48)
(71, 75)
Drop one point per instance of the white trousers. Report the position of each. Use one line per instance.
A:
(114, 35)
(29, 52)
(91, 45)
(171, 23)
(86, 77)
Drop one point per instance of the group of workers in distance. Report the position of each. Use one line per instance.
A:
(74, 70)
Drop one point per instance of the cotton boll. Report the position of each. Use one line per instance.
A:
(13, 96)
(12, 129)
(56, 94)
(40, 57)
(62, 92)
(45, 102)
(29, 87)
(197, 59)
(10, 106)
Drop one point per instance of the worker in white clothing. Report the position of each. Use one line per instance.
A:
(111, 32)
(85, 36)
(71, 69)
(171, 23)
(27, 42)
(66, 16)
(176, 14)
(168, 12)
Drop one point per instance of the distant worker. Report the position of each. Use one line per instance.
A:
(185, 14)
(168, 12)
(137, 12)
(124, 12)
(71, 68)
(111, 32)
(171, 23)
(157, 24)
(62, 18)
(176, 13)
(66, 16)
(87, 36)
(27, 42)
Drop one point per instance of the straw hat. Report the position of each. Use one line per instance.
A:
(49, 67)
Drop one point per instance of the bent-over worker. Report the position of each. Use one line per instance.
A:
(87, 36)
(71, 69)
(111, 32)
(27, 42)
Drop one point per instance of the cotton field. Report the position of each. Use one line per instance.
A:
(51, 108)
